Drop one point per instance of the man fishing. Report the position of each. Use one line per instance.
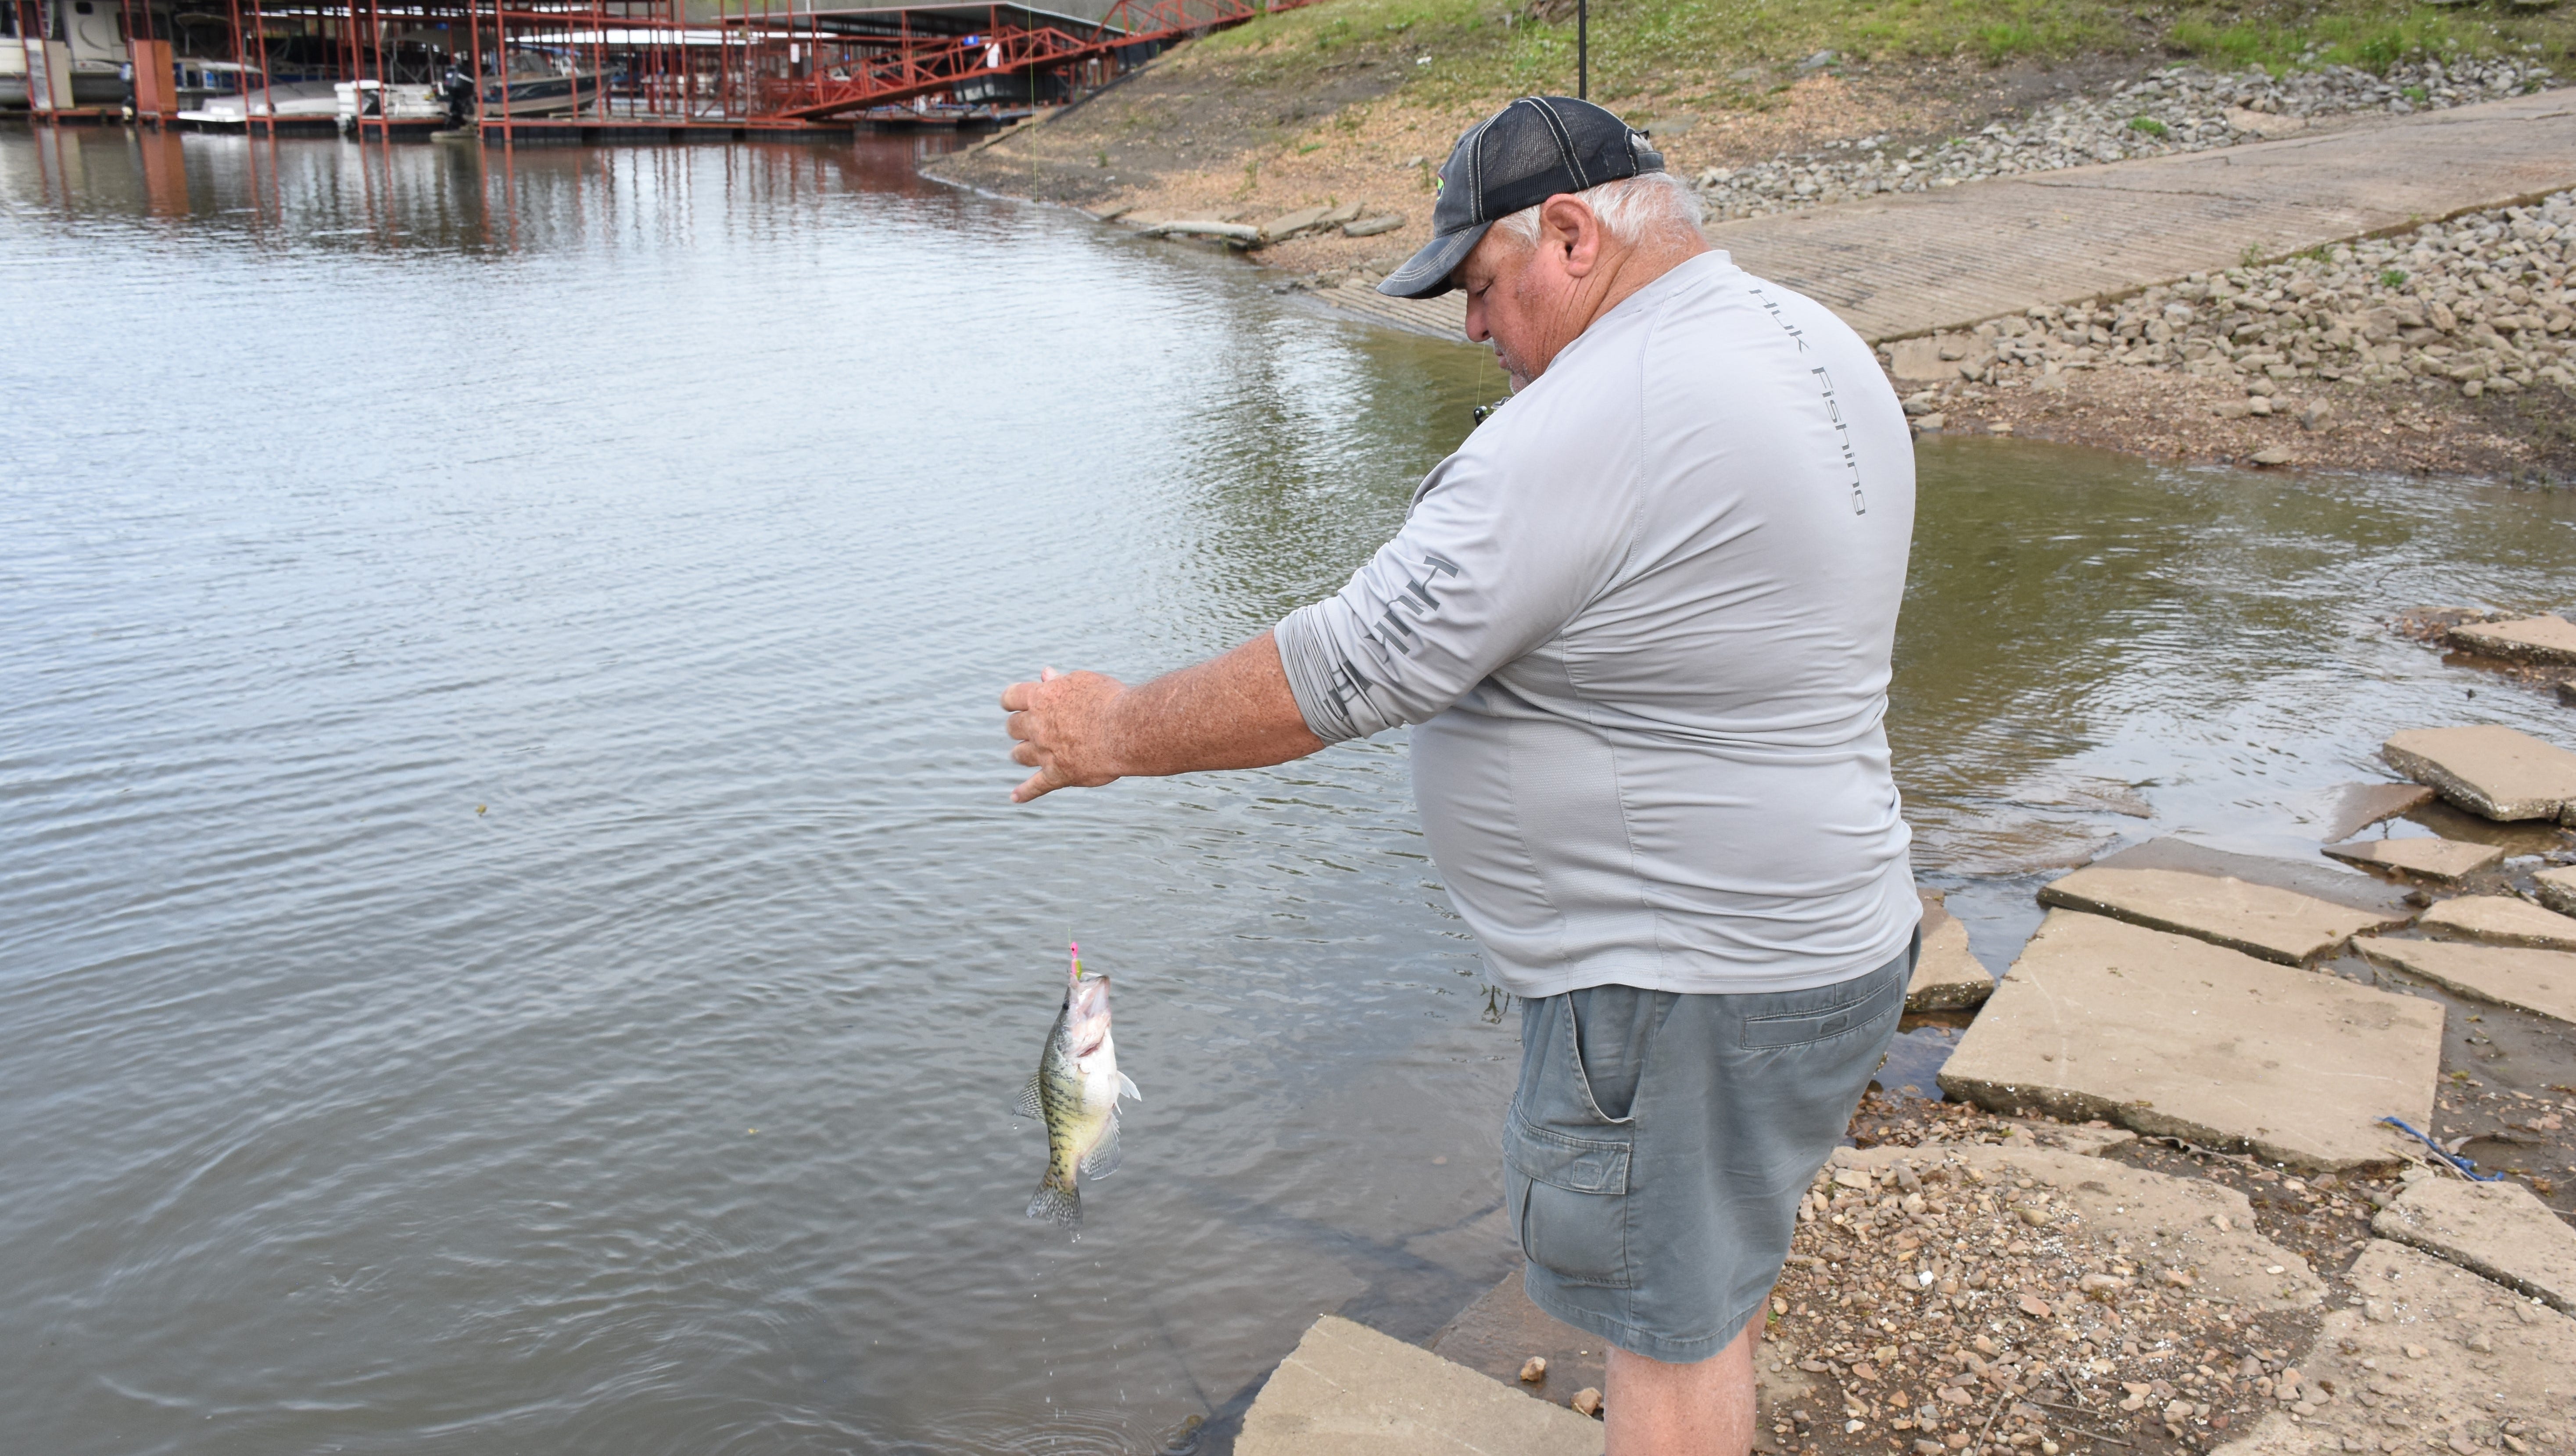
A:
(1640, 622)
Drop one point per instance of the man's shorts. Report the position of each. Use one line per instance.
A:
(1660, 1142)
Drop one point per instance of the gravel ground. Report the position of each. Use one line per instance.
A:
(2018, 1341)
(2480, 302)
(2335, 341)
(2181, 109)
(2032, 1332)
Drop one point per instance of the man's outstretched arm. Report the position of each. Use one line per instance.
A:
(1082, 730)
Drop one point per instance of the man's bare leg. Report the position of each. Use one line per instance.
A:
(1705, 1409)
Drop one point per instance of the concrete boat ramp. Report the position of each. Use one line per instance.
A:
(2187, 992)
(1906, 264)
(2176, 991)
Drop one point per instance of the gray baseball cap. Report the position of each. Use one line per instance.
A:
(1518, 157)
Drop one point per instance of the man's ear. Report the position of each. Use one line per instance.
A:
(1568, 227)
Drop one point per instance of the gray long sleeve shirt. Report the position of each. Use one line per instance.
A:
(1642, 620)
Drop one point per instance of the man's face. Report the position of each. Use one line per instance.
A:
(1532, 299)
(1494, 278)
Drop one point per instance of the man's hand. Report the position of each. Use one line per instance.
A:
(1082, 730)
(1062, 722)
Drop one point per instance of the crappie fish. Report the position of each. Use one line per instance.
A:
(1076, 1092)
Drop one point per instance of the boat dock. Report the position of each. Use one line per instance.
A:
(599, 70)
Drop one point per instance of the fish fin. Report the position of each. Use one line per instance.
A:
(1031, 1104)
(1060, 1203)
(1102, 1160)
(1127, 1087)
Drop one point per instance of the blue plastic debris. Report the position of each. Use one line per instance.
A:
(2467, 1168)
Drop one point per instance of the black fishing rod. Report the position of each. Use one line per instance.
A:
(1582, 50)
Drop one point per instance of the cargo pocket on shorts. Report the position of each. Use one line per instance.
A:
(1568, 1198)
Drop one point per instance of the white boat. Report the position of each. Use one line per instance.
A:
(374, 99)
(286, 102)
(201, 78)
(78, 55)
(548, 92)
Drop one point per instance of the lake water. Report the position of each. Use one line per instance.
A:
(511, 931)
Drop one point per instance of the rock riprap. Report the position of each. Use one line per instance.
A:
(2431, 858)
(2500, 920)
(2265, 920)
(2477, 304)
(2541, 981)
(2180, 109)
(2493, 771)
(2168, 1034)
(2500, 1230)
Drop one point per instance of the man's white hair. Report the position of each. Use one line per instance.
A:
(1628, 209)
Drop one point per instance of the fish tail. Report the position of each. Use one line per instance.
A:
(1061, 1202)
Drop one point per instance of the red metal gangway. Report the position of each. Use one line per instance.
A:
(925, 66)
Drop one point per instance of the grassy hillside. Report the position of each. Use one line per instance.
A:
(1482, 51)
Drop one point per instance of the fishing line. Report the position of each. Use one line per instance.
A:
(1484, 412)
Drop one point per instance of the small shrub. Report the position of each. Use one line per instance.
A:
(2150, 126)
(2392, 278)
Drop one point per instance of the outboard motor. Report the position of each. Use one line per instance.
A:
(460, 94)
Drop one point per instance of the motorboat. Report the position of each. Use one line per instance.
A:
(201, 78)
(78, 55)
(286, 103)
(533, 92)
(376, 100)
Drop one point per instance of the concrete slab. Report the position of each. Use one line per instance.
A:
(2490, 771)
(1947, 978)
(2171, 1035)
(2276, 924)
(2435, 1358)
(2500, 920)
(2085, 1139)
(1500, 1331)
(2304, 875)
(2556, 889)
(2427, 857)
(2517, 836)
(2500, 1230)
(2542, 981)
(1347, 1390)
(1444, 317)
(2358, 806)
(2532, 639)
(1496, 1336)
